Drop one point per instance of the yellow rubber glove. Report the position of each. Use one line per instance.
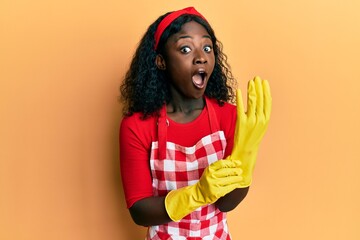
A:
(251, 126)
(218, 179)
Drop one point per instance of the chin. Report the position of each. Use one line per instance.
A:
(199, 95)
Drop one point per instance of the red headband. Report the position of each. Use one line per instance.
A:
(170, 18)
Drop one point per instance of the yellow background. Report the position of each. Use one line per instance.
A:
(62, 63)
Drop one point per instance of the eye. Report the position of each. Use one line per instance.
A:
(185, 49)
(207, 49)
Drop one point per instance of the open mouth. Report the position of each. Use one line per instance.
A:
(199, 79)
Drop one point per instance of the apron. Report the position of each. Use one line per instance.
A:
(174, 166)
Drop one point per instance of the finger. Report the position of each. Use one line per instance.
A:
(227, 172)
(236, 161)
(239, 104)
(223, 164)
(259, 96)
(230, 181)
(267, 99)
(251, 104)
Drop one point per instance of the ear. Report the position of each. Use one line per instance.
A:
(160, 62)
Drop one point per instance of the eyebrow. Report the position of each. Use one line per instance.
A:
(187, 36)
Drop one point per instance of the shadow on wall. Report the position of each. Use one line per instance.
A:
(128, 229)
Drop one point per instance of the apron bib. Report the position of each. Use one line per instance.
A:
(174, 166)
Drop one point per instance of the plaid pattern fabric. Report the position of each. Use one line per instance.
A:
(184, 166)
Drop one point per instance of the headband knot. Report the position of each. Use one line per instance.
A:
(170, 18)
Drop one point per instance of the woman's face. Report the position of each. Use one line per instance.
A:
(189, 60)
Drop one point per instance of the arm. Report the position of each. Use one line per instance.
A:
(144, 208)
(232, 199)
(135, 140)
(250, 129)
(218, 179)
(150, 211)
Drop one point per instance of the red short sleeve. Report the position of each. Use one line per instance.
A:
(134, 158)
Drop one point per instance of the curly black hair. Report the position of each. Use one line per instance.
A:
(145, 88)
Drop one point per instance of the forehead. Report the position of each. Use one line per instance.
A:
(191, 28)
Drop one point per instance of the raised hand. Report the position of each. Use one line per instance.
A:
(251, 126)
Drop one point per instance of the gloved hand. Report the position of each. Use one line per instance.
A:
(251, 126)
(218, 179)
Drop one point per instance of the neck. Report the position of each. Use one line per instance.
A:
(185, 105)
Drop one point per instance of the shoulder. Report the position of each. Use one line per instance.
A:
(134, 126)
(136, 119)
(225, 109)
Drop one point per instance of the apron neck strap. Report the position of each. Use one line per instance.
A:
(162, 133)
(214, 124)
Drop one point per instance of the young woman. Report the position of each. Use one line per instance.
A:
(181, 169)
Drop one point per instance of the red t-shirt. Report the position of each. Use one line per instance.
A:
(136, 136)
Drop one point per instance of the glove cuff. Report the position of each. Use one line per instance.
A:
(180, 202)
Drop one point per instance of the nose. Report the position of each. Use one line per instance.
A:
(200, 58)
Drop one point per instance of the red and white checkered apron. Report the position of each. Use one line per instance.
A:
(174, 166)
